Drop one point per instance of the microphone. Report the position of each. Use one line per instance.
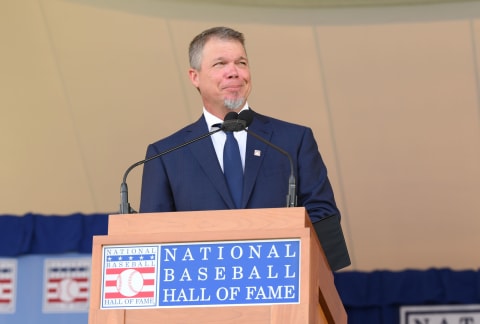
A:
(230, 123)
(245, 119)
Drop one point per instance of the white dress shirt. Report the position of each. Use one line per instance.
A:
(219, 138)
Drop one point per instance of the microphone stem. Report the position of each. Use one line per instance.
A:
(292, 196)
(124, 204)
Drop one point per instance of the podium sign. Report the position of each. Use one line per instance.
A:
(256, 272)
(256, 266)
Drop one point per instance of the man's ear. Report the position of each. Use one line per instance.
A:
(193, 74)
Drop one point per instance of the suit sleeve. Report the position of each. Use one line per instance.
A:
(313, 186)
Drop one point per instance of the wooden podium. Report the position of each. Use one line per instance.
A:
(318, 300)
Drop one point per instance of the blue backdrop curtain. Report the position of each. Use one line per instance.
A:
(369, 297)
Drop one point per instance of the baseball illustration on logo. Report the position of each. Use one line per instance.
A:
(68, 290)
(129, 282)
(129, 276)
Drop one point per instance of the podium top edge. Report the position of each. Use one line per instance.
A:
(211, 220)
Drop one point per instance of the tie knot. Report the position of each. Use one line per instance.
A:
(231, 137)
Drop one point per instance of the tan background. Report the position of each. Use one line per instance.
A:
(392, 94)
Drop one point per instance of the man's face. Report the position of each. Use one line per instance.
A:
(224, 76)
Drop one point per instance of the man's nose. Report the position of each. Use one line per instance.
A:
(232, 71)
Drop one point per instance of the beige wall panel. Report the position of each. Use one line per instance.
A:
(404, 106)
(122, 79)
(37, 136)
(287, 79)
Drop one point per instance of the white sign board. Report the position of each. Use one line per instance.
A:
(440, 314)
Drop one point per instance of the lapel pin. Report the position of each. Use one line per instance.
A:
(257, 152)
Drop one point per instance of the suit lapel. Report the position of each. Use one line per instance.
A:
(255, 154)
(204, 153)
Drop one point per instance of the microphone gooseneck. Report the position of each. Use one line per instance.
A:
(246, 116)
(125, 207)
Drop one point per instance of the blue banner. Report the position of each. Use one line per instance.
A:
(229, 273)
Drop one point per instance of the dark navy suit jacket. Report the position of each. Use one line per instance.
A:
(191, 178)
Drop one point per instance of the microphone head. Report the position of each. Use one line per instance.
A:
(231, 123)
(247, 116)
(231, 116)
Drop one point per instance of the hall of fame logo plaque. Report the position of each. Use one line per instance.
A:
(66, 285)
(129, 276)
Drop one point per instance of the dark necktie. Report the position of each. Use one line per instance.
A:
(232, 168)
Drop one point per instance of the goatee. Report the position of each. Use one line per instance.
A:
(233, 104)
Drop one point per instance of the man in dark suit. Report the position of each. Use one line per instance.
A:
(192, 178)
